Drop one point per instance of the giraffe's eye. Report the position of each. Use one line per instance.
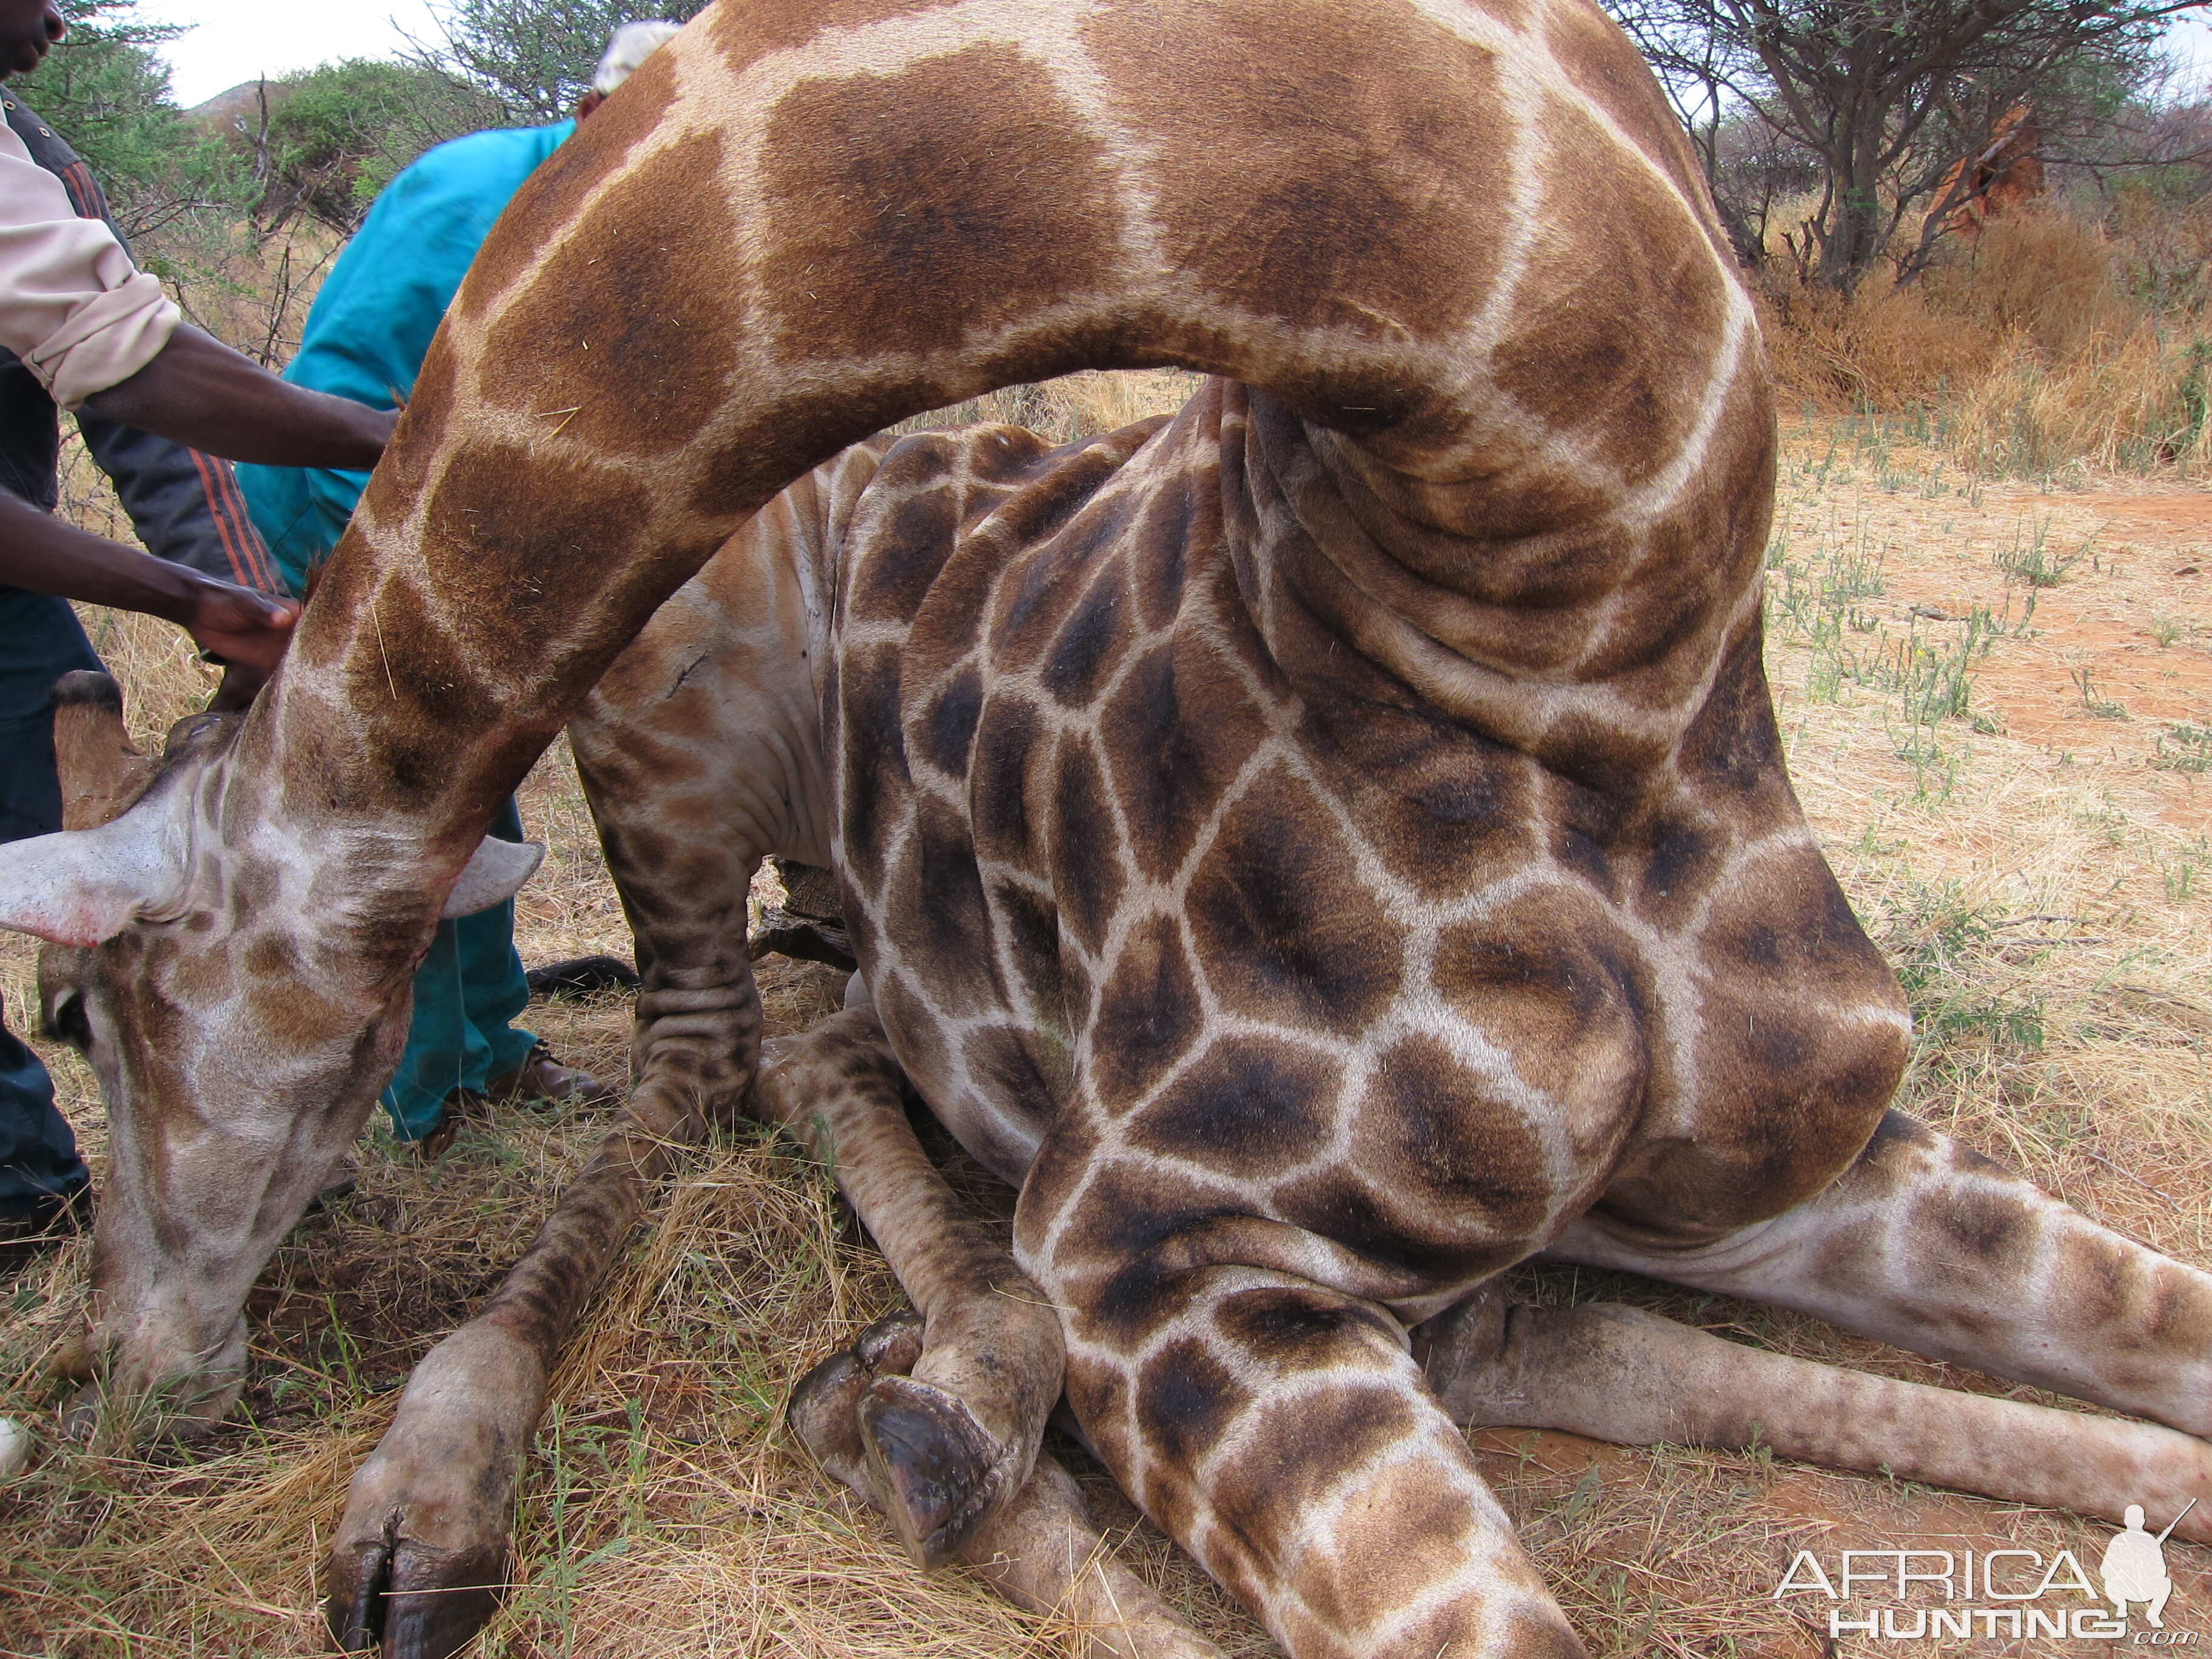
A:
(65, 1018)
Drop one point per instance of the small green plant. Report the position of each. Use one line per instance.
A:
(1824, 678)
(1870, 845)
(2165, 629)
(2107, 821)
(1935, 764)
(2184, 875)
(2103, 708)
(2184, 748)
(1938, 946)
(2032, 562)
(1819, 602)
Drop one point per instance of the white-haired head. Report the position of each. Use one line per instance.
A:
(632, 43)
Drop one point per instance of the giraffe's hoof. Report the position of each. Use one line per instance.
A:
(824, 1411)
(935, 1471)
(415, 1600)
(892, 1345)
(912, 1450)
(825, 1403)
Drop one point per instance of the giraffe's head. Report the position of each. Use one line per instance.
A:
(239, 1055)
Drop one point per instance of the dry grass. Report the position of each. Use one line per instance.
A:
(1074, 406)
(2054, 342)
(666, 1513)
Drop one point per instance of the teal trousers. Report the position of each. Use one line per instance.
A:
(467, 993)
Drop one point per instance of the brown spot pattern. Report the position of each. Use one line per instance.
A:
(622, 341)
(899, 230)
(1360, 220)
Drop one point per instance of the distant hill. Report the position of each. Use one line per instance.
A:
(226, 110)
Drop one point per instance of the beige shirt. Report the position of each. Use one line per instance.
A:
(72, 306)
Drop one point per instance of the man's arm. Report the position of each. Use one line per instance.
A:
(184, 503)
(46, 555)
(199, 392)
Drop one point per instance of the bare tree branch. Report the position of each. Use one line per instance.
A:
(1885, 98)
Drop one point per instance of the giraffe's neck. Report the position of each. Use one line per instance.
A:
(1494, 599)
(1480, 460)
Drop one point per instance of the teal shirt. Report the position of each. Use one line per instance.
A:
(372, 320)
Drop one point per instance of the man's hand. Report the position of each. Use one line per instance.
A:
(48, 557)
(240, 625)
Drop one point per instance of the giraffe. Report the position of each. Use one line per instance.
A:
(1326, 848)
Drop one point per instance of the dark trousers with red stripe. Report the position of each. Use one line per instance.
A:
(183, 506)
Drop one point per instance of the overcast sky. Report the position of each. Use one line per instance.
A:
(236, 40)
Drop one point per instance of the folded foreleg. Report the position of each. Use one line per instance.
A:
(1040, 1551)
(949, 1447)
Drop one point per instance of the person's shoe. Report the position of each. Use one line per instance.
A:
(460, 1105)
(26, 1234)
(579, 976)
(541, 1078)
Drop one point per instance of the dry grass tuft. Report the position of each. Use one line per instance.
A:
(1074, 406)
(2042, 883)
(2054, 342)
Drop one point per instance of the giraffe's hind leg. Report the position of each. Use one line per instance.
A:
(949, 1436)
(1926, 1244)
(1620, 1374)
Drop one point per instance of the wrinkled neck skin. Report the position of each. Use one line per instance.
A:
(1576, 616)
(1547, 425)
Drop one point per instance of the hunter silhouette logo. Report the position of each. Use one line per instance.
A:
(2134, 1567)
(1996, 1594)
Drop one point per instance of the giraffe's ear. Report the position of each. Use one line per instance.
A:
(497, 871)
(82, 886)
(102, 773)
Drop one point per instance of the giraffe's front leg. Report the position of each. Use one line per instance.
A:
(1040, 1551)
(681, 851)
(419, 1560)
(949, 1446)
(1928, 1245)
(1281, 1432)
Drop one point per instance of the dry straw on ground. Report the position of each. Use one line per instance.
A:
(2013, 803)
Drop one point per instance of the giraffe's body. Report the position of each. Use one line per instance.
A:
(970, 956)
(1325, 848)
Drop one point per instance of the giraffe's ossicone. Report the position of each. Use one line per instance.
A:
(1324, 848)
